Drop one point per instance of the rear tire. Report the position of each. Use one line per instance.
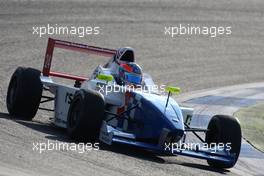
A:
(224, 129)
(24, 93)
(85, 115)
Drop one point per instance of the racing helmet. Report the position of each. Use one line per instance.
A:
(125, 54)
(130, 73)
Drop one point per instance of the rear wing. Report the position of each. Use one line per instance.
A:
(53, 43)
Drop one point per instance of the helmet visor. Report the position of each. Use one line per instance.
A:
(132, 78)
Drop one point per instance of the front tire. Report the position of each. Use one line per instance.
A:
(224, 129)
(85, 115)
(24, 93)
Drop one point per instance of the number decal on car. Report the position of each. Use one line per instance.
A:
(68, 98)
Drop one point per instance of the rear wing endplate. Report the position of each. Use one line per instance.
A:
(53, 43)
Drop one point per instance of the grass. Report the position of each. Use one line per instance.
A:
(252, 122)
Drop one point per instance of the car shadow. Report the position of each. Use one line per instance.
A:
(133, 152)
(52, 132)
(202, 167)
(205, 167)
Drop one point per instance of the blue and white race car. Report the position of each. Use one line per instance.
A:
(121, 104)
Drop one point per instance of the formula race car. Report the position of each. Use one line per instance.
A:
(121, 104)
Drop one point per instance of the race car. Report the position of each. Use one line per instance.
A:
(118, 104)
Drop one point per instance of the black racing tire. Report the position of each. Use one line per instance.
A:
(224, 129)
(85, 116)
(24, 93)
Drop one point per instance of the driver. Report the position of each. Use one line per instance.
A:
(124, 69)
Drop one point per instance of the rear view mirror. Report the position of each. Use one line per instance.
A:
(105, 77)
(171, 89)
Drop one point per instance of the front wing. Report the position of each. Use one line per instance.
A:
(111, 135)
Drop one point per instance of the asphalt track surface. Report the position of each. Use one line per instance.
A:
(191, 62)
